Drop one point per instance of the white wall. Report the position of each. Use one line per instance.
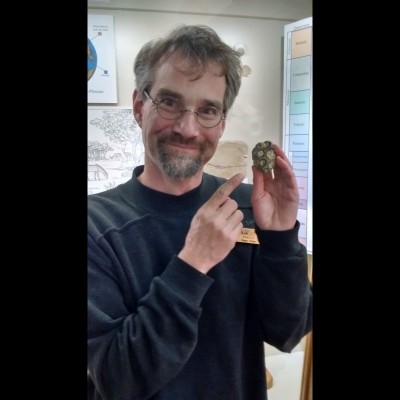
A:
(257, 113)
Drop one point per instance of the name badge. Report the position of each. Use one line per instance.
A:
(248, 235)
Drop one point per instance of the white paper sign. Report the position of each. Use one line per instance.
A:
(102, 76)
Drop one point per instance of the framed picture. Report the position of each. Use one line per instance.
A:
(102, 75)
(115, 147)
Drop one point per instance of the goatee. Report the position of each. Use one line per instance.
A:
(178, 165)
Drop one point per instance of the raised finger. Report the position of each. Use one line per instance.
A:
(223, 192)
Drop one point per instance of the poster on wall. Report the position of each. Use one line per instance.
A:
(115, 147)
(297, 117)
(102, 76)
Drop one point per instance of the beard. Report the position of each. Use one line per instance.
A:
(175, 164)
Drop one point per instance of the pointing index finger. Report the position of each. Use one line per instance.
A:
(223, 192)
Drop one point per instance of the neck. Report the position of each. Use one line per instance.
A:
(158, 180)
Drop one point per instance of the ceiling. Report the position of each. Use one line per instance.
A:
(291, 10)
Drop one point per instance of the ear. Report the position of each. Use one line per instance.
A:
(137, 102)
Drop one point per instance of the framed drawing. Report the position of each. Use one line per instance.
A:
(115, 147)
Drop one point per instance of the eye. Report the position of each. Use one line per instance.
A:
(209, 111)
(170, 103)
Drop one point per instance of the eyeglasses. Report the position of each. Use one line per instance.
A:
(171, 108)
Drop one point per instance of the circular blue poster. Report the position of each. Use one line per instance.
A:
(92, 59)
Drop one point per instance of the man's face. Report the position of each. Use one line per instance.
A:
(181, 147)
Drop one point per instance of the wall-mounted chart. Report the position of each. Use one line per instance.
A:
(297, 117)
(102, 76)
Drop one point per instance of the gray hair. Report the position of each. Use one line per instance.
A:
(199, 44)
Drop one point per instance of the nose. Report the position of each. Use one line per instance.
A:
(187, 123)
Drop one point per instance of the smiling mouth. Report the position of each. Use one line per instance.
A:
(185, 147)
(177, 144)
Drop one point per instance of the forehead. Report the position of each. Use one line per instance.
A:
(177, 74)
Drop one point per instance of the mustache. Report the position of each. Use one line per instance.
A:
(176, 138)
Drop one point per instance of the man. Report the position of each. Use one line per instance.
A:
(180, 305)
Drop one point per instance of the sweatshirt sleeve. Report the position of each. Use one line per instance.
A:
(132, 354)
(283, 291)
